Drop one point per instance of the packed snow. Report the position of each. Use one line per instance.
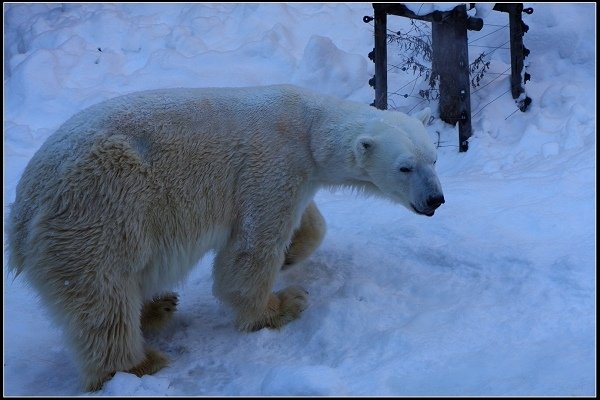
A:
(493, 296)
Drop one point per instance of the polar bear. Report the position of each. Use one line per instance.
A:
(124, 199)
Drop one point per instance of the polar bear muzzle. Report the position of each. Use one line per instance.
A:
(433, 202)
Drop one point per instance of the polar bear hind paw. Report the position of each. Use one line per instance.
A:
(158, 311)
(154, 361)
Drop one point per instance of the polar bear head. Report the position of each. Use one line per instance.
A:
(398, 158)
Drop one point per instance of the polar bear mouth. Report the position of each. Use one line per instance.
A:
(428, 212)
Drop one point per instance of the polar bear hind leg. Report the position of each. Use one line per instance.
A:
(106, 335)
(158, 311)
(120, 349)
(307, 237)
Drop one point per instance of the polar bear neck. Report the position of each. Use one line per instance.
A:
(332, 137)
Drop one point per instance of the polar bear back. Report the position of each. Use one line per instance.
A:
(159, 159)
(168, 156)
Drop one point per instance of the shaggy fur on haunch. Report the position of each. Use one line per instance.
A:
(124, 199)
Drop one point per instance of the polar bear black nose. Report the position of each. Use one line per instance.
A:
(435, 201)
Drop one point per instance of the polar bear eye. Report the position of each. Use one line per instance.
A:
(405, 169)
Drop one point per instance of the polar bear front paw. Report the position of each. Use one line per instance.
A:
(292, 301)
(282, 307)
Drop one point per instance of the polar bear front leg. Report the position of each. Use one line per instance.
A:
(282, 307)
(244, 275)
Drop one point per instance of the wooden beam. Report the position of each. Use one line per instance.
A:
(399, 9)
(518, 52)
(380, 58)
(451, 64)
(450, 61)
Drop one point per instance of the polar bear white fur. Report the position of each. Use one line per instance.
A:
(126, 197)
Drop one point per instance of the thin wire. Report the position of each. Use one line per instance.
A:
(402, 87)
(414, 27)
(474, 114)
(491, 33)
(490, 47)
(499, 47)
(416, 105)
(509, 115)
(500, 27)
(413, 88)
(499, 75)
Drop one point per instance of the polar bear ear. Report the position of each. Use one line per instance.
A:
(423, 115)
(363, 146)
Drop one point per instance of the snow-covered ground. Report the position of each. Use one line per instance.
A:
(494, 295)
